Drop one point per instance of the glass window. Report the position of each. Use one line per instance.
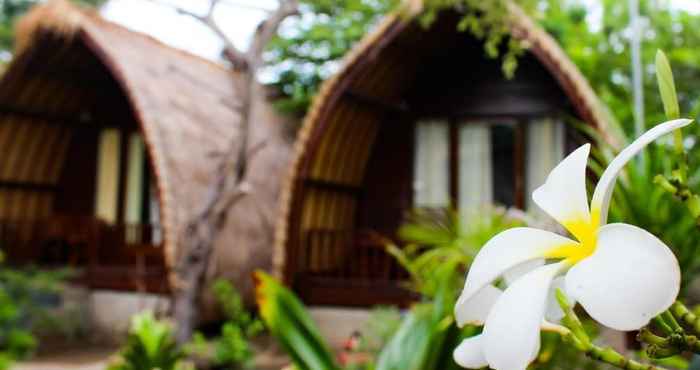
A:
(499, 162)
(504, 156)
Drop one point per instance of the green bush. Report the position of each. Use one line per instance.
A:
(26, 298)
(437, 237)
(232, 349)
(149, 346)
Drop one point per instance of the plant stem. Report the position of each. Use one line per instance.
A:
(662, 325)
(691, 343)
(609, 356)
(682, 313)
(646, 336)
(671, 321)
(572, 322)
(577, 335)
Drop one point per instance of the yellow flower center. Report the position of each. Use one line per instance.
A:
(586, 232)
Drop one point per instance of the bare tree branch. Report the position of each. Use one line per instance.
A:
(247, 6)
(268, 29)
(232, 53)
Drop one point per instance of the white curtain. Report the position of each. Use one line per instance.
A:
(475, 167)
(154, 212)
(544, 150)
(431, 165)
(134, 180)
(108, 176)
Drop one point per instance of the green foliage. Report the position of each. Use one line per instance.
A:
(308, 48)
(150, 345)
(10, 10)
(290, 323)
(667, 86)
(428, 335)
(424, 339)
(438, 237)
(379, 329)
(660, 213)
(16, 341)
(232, 349)
(487, 21)
(25, 300)
(602, 54)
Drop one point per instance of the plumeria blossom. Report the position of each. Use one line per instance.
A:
(622, 275)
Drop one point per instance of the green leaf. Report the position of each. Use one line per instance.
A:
(292, 326)
(667, 87)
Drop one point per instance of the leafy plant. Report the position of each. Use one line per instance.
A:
(660, 213)
(308, 47)
(232, 349)
(150, 345)
(438, 237)
(424, 340)
(290, 323)
(26, 298)
(428, 335)
(16, 342)
(10, 10)
(382, 324)
(599, 50)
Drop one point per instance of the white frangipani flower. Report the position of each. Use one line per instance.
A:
(622, 275)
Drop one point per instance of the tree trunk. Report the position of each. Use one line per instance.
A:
(228, 185)
(201, 233)
(190, 280)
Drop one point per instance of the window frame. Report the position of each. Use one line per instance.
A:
(454, 122)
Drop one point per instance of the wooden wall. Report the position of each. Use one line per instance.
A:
(388, 184)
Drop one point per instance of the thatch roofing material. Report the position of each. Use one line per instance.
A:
(73, 64)
(338, 132)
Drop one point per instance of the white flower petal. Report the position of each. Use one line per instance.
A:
(563, 195)
(475, 310)
(631, 277)
(470, 353)
(512, 330)
(518, 271)
(505, 251)
(604, 188)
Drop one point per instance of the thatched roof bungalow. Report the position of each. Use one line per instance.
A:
(108, 140)
(419, 118)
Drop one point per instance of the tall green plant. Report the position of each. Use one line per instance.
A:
(290, 323)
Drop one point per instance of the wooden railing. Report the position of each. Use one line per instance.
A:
(348, 268)
(123, 257)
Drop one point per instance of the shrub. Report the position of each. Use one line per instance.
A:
(150, 345)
